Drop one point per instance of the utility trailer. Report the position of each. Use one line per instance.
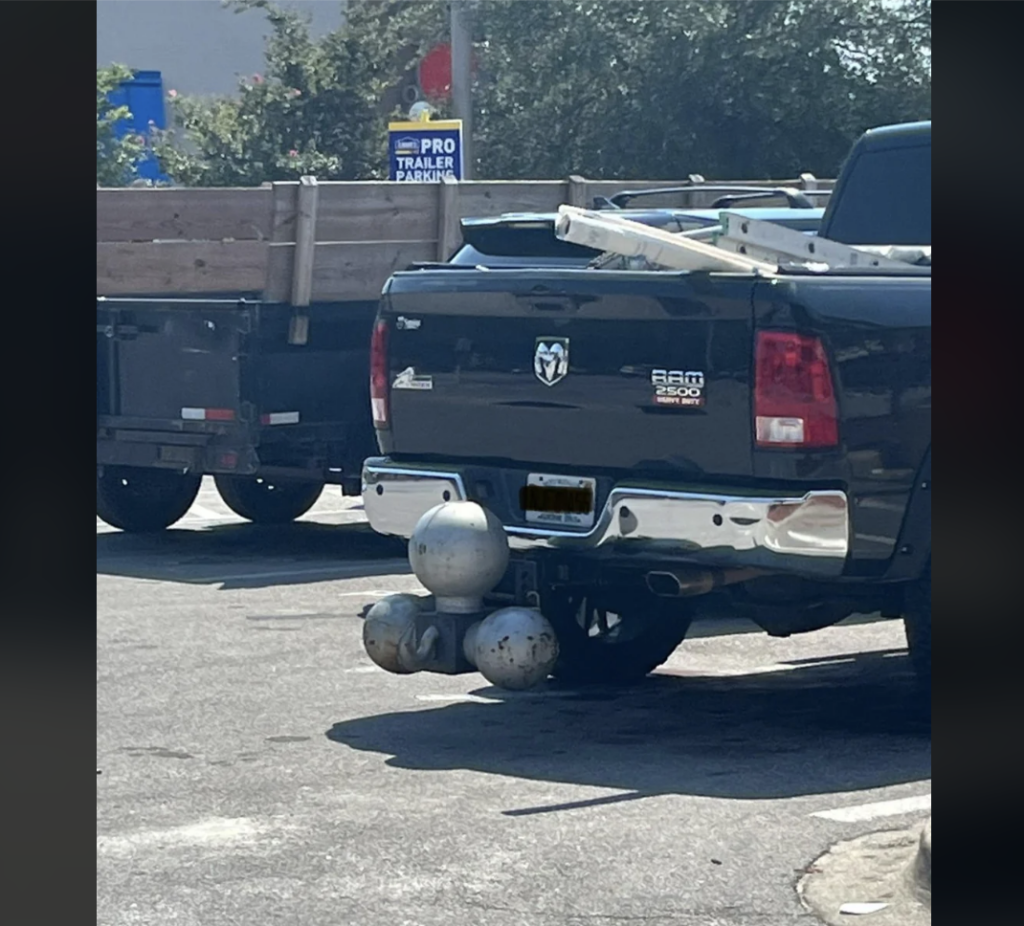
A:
(272, 404)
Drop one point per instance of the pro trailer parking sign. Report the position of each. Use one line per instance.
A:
(424, 152)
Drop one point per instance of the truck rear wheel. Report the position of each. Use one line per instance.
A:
(602, 641)
(139, 500)
(917, 623)
(268, 501)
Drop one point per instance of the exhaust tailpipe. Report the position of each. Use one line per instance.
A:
(688, 583)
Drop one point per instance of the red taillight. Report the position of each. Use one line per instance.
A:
(794, 403)
(379, 374)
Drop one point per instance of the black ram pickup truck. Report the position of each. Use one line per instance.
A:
(659, 445)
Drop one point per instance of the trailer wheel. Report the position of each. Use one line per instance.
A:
(917, 623)
(267, 501)
(139, 500)
(604, 642)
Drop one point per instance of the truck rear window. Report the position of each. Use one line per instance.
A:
(887, 199)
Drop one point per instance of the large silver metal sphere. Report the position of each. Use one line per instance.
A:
(459, 551)
(389, 632)
(513, 648)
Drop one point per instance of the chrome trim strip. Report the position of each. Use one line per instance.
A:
(808, 533)
(410, 493)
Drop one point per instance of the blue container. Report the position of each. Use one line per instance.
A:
(144, 97)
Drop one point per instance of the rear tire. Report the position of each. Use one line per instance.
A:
(594, 651)
(917, 623)
(140, 500)
(267, 501)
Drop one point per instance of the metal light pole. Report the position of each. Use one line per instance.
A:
(461, 80)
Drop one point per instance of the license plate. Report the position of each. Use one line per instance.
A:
(558, 501)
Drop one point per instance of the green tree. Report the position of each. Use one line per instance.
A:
(116, 158)
(663, 89)
(652, 89)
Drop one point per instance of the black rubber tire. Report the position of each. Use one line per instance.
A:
(651, 629)
(142, 500)
(268, 501)
(917, 623)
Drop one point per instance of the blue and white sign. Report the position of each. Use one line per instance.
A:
(424, 152)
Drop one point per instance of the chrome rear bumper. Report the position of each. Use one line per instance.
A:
(805, 534)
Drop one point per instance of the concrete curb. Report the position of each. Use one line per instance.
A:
(921, 869)
(878, 867)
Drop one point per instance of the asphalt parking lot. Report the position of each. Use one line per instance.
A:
(255, 767)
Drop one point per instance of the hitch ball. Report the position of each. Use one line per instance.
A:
(512, 648)
(389, 631)
(459, 551)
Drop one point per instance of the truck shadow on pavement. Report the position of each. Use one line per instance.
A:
(846, 725)
(245, 555)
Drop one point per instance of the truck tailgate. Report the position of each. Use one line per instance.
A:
(638, 371)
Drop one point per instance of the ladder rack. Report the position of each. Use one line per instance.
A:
(605, 231)
(770, 241)
(744, 245)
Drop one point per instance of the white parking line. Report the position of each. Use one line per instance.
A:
(190, 519)
(201, 516)
(340, 571)
(201, 513)
(505, 696)
(369, 593)
(860, 812)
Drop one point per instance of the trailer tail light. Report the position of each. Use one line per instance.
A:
(272, 418)
(379, 374)
(794, 402)
(208, 414)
